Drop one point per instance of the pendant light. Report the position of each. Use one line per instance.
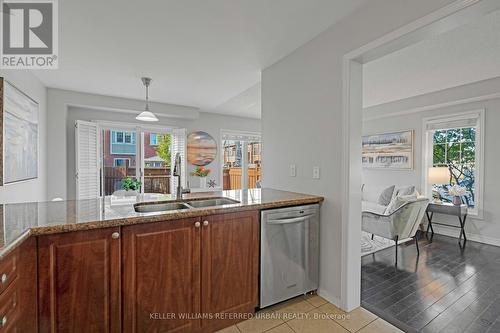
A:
(146, 115)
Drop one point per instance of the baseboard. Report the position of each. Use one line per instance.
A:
(455, 232)
(332, 299)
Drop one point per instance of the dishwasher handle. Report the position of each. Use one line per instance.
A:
(290, 220)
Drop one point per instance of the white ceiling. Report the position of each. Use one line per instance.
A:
(246, 104)
(199, 53)
(464, 55)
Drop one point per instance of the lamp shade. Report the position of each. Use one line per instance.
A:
(146, 116)
(438, 175)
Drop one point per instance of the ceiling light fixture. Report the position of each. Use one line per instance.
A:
(146, 115)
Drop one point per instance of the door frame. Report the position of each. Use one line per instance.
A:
(439, 21)
(139, 130)
(244, 157)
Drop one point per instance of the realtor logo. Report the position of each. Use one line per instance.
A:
(29, 34)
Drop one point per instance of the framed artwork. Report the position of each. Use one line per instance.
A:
(19, 120)
(201, 148)
(388, 150)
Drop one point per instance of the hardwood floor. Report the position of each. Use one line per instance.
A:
(445, 289)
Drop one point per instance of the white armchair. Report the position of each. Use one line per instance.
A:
(401, 224)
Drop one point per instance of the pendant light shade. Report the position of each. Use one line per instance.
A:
(147, 115)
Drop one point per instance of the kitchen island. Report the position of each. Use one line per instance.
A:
(100, 265)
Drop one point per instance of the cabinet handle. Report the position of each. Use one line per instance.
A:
(115, 235)
(205, 223)
(4, 321)
(197, 224)
(4, 278)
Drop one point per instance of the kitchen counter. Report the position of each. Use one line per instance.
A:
(20, 221)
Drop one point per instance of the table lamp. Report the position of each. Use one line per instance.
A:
(438, 176)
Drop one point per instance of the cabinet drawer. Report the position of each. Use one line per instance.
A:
(8, 270)
(9, 308)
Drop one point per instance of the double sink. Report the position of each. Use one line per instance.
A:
(156, 207)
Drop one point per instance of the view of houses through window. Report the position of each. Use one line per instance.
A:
(150, 163)
(235, 166)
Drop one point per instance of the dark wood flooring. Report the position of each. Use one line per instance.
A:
(445, 289)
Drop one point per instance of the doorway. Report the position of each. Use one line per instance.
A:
(241, 160)
(140, 154)
(437, 22)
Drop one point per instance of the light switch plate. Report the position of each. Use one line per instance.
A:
(293, 170)
(316, 172)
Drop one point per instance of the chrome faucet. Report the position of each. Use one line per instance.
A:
(177, 173)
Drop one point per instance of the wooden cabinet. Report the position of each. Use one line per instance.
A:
(186, 275)
(18, 289)
(230, 267)
(161, 276)
(79, 281)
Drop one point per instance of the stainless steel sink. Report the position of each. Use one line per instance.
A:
(211, 202)
(159, 207)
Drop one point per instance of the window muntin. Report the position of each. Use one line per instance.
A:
(123, 137)
(121, 162)
(455, 148)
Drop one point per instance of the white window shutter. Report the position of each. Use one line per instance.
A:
(87, 160)
(178, 146)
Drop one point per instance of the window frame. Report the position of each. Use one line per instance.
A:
(114, 137)
(427, 152)
(122, 159)
(151, 141)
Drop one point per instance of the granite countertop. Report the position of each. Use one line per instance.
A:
(22, 220)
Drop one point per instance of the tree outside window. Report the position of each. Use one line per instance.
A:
(456, 149)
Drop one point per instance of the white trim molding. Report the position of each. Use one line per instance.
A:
(425, 108)
(441, 20)
(453, 232)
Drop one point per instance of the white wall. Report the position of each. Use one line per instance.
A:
(463, 55)
(64, 133)
(486, 230)
(302, 117)
(36, 189)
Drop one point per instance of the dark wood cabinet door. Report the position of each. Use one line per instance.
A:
(230, 266)
(28, 303)
(79, 281)
(161, 276)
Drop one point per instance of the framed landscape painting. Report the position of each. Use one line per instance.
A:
(19, 114)
(388, 151)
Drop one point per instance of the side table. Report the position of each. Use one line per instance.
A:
(448, 209)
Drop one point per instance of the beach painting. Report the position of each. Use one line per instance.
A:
(201, 148)
(388, 151)
(20, 140)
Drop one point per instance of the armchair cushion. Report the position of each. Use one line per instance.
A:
(373, 207)
(399, 201)
(404, 190)
(379, 195)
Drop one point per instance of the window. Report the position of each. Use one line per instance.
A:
(240, 160)
(128, 137)
(153, 139)
(123, 137)
(121, 162)
(455, 142)
(455, 148)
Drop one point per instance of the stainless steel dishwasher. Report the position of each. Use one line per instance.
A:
(289, 253)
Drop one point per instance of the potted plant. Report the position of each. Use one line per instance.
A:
(457, 192)
(202, 173)
(131, 186)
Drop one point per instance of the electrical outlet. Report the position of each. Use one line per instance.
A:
(316, 172)
(293, 170)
